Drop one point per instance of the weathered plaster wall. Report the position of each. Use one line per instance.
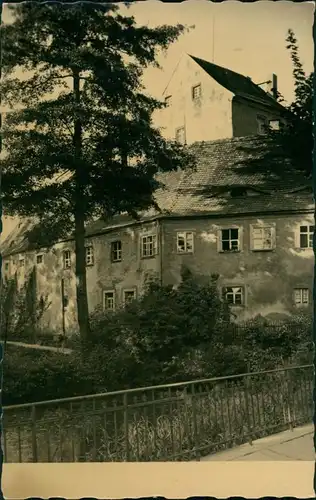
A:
(210, 118)
(269, 277)
(130, 273)
(244, 117)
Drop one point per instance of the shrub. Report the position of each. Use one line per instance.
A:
(169, 335)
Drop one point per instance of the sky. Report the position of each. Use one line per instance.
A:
(248, 38)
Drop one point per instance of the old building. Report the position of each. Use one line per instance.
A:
(256, 233)
(208, 102)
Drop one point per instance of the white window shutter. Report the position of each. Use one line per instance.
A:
(273, 236)
(251, 243)
(219, 240)
(241, 238)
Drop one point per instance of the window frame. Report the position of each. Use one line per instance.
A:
(309, 234)
(184, 134)
(272, 227)
(193, 88)
(184, 234)
(89, 247)
(243, 295)
(7, 266)
(262, 119)
(220, 239)
(128, 290)
(113, 251)
(301, 290)
(42, 259)
(168, 100)
(104, 298)
(154, 242)
(66, 259)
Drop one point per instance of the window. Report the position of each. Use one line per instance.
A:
(149, 246)
(39, 259)
(229, 240)
(168, 100)
(196, 92)
(89, 255)
(234, 295)
(274, 124)
(6, 266)
(180, 135)
(262, 125)
(306, 236)
(301, 296)
(129, 296)
(21, 262)
(109, 300)
(262, 237)
(185, 242)
(67, 259)
(116, 251)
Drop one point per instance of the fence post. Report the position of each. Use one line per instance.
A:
(248, 411)
(125, 404)
(195, 427)
(289, 399)
(33, 430)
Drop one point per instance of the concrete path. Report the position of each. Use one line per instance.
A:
(288, 445)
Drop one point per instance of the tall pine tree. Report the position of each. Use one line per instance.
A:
(79, 138)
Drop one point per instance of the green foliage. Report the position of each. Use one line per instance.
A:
(79, 138)
(53, 43)
(20, 310)
(287, 153)
(168, 335)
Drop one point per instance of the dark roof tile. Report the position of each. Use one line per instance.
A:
(236, 83)
(207, 190)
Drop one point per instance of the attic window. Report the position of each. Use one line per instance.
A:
(196, 92)
(168, 100)
(238, 191)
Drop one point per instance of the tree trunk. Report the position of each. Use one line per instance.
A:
(79, 214)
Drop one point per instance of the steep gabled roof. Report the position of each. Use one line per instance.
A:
(207, 190)
(236, 83)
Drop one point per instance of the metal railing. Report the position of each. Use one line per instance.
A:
(181, 421)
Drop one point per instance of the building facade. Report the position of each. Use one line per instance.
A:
(207, 102)
(255, 235)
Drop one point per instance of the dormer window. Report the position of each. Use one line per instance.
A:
(196, 92)
(238, 191)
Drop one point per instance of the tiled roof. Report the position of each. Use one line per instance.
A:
(207, 190)
(236, 83)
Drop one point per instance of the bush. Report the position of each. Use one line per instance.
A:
(169, 335)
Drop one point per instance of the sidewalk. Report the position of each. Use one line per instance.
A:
(288, 445)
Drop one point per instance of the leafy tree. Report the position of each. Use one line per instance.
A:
(79, 137)
(289, 150)
(20, 309)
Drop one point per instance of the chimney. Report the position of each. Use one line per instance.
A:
(270, 85)
(274, 86)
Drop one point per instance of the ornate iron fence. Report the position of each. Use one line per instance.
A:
(181, 421)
